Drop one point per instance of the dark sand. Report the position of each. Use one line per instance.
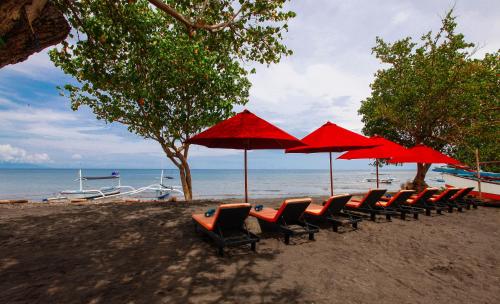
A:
(149, 253)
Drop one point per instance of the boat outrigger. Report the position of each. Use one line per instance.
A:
(95, 193)
(387, 180)
(463, 177)
(157, 191)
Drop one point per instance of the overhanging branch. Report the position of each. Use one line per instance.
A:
(194, 25)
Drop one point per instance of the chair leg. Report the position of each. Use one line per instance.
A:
(415, 215)
(311, 236)
(287, 239)
(220, 251)
(335, 227)
(428, 212)
(439, 211)
(253, 247)
(388, 217)
(355, 225)
(450, 209)
(403, 215)
(372, 216)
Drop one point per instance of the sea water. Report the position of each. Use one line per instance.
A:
(37, 184)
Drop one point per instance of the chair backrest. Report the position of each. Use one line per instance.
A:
(335, 203)
(462, 193)
(446, 194)
(292, 209)
(425, 195)
(372, 197)
(399, 198)
(232, 216)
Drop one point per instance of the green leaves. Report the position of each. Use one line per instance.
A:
(432, 92)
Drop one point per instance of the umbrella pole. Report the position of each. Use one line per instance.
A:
(376, 164)
(331, 175)
(246, 178)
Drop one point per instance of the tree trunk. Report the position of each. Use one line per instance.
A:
(29, 26)
(419, 180)
(180, 161)
(185, 174)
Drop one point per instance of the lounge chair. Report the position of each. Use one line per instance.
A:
(462, 198)
(396, 203)
(456, 200)
(288, 219)
(442, 200)
(331, 211)
(421, 201)
(226, 226)
(367, 204)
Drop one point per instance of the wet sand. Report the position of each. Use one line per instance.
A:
(149, 253)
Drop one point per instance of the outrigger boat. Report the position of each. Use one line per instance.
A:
(388, 180)
(463, 177)
(155, 191)
(82, 193)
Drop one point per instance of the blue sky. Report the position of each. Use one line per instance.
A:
(326, 78)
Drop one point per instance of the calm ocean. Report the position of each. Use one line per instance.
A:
(38, 184)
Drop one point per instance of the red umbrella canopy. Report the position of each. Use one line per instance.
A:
(246, 131)
(332, 138)
(384, 149)
(423, 154)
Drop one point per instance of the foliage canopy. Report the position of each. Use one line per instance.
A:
(138, 66)
(434, 93)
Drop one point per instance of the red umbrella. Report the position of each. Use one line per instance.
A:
(245, 131)
(385, 150)
(332, 138)
(423, 154)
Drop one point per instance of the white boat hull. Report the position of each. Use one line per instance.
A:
(90, 194)
(489, 190)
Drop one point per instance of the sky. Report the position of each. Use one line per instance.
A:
(324, 80)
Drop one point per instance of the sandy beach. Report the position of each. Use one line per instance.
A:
(149, 253)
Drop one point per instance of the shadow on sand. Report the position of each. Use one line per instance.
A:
(127, 253)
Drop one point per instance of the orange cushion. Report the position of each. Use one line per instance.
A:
(271, 215)
(411, 201)
(266, 214)
(458, 194)
(314, 209)
(382, 204)
(207, 222)
(353, 203)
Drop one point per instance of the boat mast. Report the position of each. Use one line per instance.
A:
(80, 179)
(478, 168)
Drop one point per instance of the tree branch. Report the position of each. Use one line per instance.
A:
(194, 25)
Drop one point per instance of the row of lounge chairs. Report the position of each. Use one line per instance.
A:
(226, 225)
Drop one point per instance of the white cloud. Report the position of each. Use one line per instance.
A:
(29, 114)
(76, 156)
(325, 79)
(37, 66)
(302, 99)
(12, 154)
(400, 17)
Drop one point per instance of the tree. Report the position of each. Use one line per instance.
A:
(137, 66)
(482, 133)
(432, 93)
